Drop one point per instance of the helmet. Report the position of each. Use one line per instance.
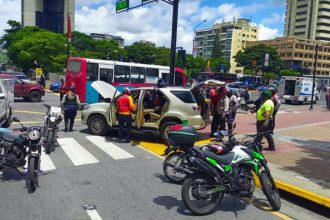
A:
(273, 90)
(126, 90)
(222, 90)
(266, 94)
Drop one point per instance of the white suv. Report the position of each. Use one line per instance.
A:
(6, 101)
(157, 109)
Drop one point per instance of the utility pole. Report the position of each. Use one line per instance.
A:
(173, 41)
(314, 72)
(68, 52)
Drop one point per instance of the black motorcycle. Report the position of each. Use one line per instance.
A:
(15, 148)
(52, 120)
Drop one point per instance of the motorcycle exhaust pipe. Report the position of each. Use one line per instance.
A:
(200, 164)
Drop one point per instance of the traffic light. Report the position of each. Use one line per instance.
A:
(181, 58)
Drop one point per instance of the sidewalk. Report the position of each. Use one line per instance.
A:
(300, 164)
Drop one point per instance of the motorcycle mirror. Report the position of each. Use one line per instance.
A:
(14, 119)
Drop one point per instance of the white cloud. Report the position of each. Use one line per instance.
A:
(266, 33)
(273, 19)
(9, 10)
(152, 22)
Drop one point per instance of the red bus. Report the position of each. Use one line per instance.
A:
(81, 72)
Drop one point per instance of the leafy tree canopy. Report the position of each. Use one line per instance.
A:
(9, 33)
(141, 53)
(257, 54)
(289, 72)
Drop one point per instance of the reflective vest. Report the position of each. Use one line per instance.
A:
(123, 103)
(63, 88)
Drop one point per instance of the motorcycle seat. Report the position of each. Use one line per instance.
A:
(224, 159)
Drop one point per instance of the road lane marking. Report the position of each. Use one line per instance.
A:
(93, 214)
(109, 148)
(77, 154)
(46, 163)
(30, 112)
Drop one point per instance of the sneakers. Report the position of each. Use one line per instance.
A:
(124, 141)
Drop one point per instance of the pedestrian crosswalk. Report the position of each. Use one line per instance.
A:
(285, 112)
(77, 154)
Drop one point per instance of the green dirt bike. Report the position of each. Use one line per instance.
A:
(227, 174)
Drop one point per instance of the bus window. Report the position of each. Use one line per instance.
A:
(122, 74)
(137, 74)
(106, 75)
(152, 75)
(74, 66)
(92, 71)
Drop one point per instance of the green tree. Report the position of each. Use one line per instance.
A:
(9, 33)
(216, 50)
(162, 56)
(217, 62)
(107, 50)
(289, 72)
(141, 53)
(268, 76)
(257, 54)
(194, 65)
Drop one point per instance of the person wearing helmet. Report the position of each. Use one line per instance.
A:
(220, 111)
(264, 117)
(233, 106)
(70, 105)
(125, 108)
(277, 104)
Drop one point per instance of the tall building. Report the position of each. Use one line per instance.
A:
(118, 39)
(51, 15)
(299, 54)
(233, 37)
(309, 19)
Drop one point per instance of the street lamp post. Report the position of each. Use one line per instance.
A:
(314, 72)
(193, 52)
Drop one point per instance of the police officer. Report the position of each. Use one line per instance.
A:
(70, 105)
(220, 111)
(264, 119)
(63, 89)
(125, 108)
(233, 106)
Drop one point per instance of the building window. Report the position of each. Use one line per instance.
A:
(301, 13)
(300, 33)
(300, 26)
(302, 6)
(301, 20)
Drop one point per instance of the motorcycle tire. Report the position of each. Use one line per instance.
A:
(169, 170)
(270, 190)
(189, 183)
(49, 141)
(32, 180)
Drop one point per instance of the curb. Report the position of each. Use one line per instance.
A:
(321, 200)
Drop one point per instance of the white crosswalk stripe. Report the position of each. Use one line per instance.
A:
(109, 148)
(77, 154)
(46, 163)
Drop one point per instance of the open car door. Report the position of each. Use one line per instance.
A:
(200, 96)
(108, 92)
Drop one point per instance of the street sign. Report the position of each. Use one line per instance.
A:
(122, 5)
(266, 59)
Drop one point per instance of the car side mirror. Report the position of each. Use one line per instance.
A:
(2, 97)
(108, 100)
(14, 119)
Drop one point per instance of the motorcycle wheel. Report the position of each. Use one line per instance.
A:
(193, 200)
(32, 181)
(49, 141)
(169, 168)
(270, 190)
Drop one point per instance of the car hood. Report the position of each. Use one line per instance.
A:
(105, 89)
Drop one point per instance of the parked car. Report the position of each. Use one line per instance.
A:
(28, 91)
(55, 86)
(176, 105)
(6, 101)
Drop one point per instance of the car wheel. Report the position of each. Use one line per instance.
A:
(164, 129)
(35, 96)
(97, 125)
(287, 101)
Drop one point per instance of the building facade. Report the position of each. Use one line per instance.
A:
(233, 36)
(118, 39)
(51, 15)
(308, 19)
(299, 54)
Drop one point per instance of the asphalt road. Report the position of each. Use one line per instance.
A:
(117, 181)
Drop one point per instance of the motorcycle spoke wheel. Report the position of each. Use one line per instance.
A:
(270, 190)
(169, 170)
(194, 195)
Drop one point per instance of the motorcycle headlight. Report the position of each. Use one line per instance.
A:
(34, 135)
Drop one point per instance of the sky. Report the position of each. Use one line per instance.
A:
(153, 22)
